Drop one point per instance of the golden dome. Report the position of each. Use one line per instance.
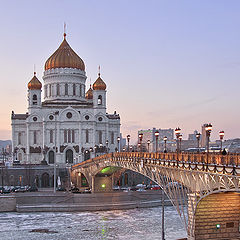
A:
(64, 57)
(89, 93)
(34, 84)
(99, 84)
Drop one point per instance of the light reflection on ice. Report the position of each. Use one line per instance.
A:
(134, 224)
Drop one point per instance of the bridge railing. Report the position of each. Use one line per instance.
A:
(196, 158)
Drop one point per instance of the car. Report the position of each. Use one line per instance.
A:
(61, 189)
(141, 190)
(21, 189)
(32, 189)
(155, 187)
(75, 190)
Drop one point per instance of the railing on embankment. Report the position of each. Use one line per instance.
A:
(214, 162)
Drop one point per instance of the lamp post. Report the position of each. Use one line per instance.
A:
(95, 150)
(208, 129)
(221, 135)
(156, 137)
(140, 135)
(118, 140)
(139, 145)
(90, 150)
(128, 140)
(163, 233)
(107, 146)
(177, 133)
(165, 144)
(148, 143)
(198, 135)
(180, 143)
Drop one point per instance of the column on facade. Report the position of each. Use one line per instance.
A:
(28, 142)
(58, 143)
(80, 141)
(43, 139)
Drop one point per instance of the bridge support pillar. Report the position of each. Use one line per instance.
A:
(217, 216)
(102, 184)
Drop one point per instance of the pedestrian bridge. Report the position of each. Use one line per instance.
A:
(203, 187)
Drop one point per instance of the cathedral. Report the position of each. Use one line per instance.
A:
(70, 124)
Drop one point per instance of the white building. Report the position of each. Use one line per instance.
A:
(68, 121)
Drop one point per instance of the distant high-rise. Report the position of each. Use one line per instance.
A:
(203, 136)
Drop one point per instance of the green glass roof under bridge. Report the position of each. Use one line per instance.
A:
(108, 170)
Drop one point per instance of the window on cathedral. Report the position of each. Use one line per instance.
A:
(34, 137)
(99, 100)
(100, 137)
(51, 157)
(65, 135)
(45, 91)
(51, 136)
(69, 135)
(66, 89)
(58, 89)
(73, 136)
(112, 137)
(74, 89)
(19, 138)
(87, 136)
(34, 99)
(80, 90)
(50, 90)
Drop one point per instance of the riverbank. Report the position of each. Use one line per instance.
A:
(47, 201)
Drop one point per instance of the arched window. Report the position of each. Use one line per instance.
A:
(73, 136)
(80, 90)
(34, 99)
(34, 137)
(99, 100)
(51, 157)
(87, 136)
(74, 89)
(45, 91)
(19, 138)
(69, 156)
(50, 90)
(66, 89)
(65, 135)
(51, 136)
(100, 137)
(20, 157)
(69, 135)
(58, 89)
(112, 137)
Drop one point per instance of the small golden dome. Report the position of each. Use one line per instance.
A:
(89, 93)
(34, 84)
(64, 57)
(99, 84)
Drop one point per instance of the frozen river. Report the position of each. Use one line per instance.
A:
(134, 224)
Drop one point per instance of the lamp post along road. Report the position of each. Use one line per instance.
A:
(221, 135)
(156, 138)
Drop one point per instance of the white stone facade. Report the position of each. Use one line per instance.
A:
(80, 128)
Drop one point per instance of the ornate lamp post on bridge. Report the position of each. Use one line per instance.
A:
(140, 135)
(148, 143)
(180, 143)
(177, 133)
(198, 135)
(221, 135)
(208, 129)
(128, 140)
(165, 144)
(118, 140)
(156, 136)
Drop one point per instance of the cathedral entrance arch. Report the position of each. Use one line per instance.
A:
(45, 180)
(51, 157)
(69, 156)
